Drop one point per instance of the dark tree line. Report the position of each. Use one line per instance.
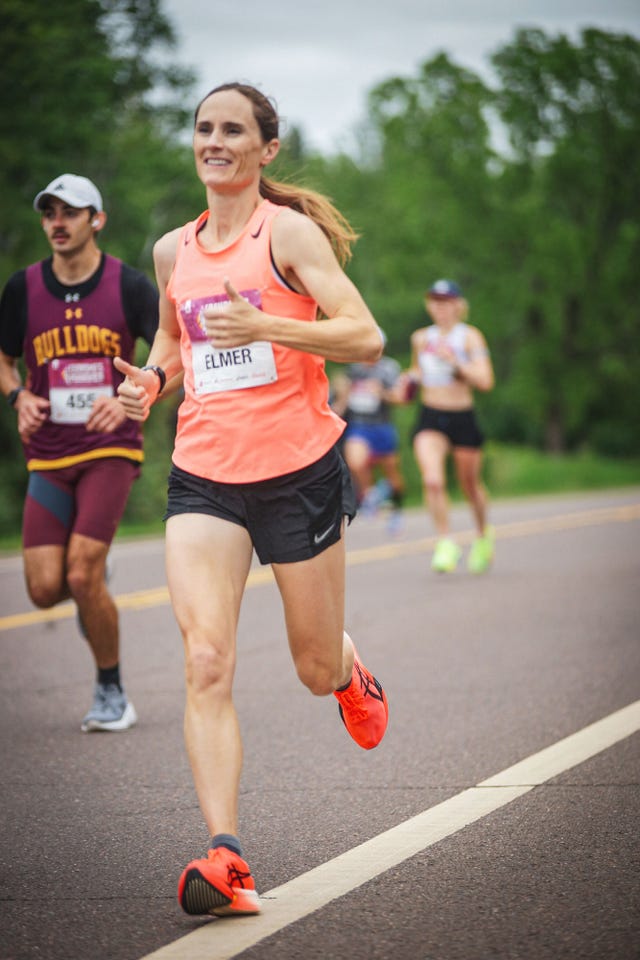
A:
(526, 191)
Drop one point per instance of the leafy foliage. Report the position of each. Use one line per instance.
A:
(543, 236)
(574, 117)
(543, 233)
(76, 89)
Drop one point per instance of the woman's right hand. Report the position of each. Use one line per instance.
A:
(138, 390)
(407, 387)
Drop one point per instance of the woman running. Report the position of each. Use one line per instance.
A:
(450, 360)
(254, 464)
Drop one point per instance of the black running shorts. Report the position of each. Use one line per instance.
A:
(460, 426)
(289, 518)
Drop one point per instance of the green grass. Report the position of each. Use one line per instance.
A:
(518, 471)
(511, 471)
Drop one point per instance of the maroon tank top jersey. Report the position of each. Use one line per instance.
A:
(68, 350)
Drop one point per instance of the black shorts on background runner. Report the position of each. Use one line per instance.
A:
(460, 426)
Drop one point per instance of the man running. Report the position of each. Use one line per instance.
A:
(66, 317)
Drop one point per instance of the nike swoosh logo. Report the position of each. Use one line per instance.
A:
(257, 233)
(319, 537)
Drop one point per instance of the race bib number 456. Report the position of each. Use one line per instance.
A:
(74, 386)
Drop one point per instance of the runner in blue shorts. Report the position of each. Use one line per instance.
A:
(363, 396)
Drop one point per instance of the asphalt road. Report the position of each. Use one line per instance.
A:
(481, 673)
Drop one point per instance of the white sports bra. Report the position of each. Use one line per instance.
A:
(436, 372)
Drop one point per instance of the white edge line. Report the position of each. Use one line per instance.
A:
(312, 890)
(571, 751)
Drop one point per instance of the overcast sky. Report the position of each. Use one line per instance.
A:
(318, 60)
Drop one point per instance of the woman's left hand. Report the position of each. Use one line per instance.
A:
(234, 322)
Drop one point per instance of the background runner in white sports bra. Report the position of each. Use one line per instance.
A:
(450, 360)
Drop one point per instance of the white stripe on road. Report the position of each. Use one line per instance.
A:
(311, 891)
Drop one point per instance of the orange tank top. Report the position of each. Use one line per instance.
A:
(252, 412)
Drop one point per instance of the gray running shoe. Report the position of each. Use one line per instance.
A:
(110, 710)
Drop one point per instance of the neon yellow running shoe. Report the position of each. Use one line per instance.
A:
(446, 556)
(481, 553)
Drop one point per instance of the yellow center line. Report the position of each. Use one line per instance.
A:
(505, 531)
(159, 596)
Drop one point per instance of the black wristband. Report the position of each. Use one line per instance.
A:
(13, 395)
(162, 377)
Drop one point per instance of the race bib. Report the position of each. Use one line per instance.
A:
(74, 386)
(234, 369)
(364, 397)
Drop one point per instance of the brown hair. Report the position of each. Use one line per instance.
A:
(314, 205)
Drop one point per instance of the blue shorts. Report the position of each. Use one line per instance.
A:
(381, 438)
(289, 518)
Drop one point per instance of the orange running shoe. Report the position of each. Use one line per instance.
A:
(363, 707)
(220, 884)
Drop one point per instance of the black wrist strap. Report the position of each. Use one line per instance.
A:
(162, 377)
(13, 395)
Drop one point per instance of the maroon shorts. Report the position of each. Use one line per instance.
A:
(88, 498)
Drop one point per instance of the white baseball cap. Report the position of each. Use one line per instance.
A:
(76, 191)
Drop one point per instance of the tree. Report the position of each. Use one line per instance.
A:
(76, 97)
(544, 238)
(84, 93)
(573, 113)
(426, 190)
